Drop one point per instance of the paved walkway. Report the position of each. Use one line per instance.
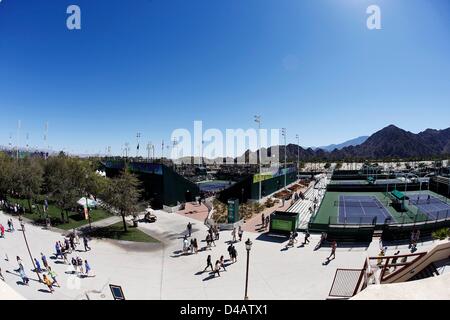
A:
(104, 222)
(161, 271)
(195, 211)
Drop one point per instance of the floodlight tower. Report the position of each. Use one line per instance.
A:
(19, 125)
(258, 121)
(283, 133)
(138, 136)
(174, 148)
(46, 137)
(127, 148)
(298, 153)
(149, 147)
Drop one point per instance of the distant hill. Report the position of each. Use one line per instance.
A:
(390, 142)
(352, 142)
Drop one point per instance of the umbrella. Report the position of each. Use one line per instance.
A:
(90, 203)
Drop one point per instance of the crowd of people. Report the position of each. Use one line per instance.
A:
(190, 246)
(12, 208)
(42, 265)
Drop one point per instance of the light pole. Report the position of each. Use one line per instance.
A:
(283, 132)
(127, 148)
(149, 147)
(19, 124)
(258, 120)
(29, 251)
(248, 246)
(138, 136)
(298, 153)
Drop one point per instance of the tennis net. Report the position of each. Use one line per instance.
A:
(425, 201)
(375, 204)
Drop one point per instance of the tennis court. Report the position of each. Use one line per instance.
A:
(361, 210)
(432, 206)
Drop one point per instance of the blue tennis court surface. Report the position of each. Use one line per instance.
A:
(433, 207)
(362, 210)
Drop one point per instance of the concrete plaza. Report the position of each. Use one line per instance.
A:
(160, 271)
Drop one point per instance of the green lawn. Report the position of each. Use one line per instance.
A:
(75, 219)
(329, 212)
(116, 232)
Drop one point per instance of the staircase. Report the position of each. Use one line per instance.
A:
(302, 207)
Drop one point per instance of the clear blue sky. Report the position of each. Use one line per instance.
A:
(152, 66)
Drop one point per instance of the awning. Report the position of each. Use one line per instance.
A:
(398, 195)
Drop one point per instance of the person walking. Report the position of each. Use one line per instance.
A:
(185, 245)
(1, 275)
(195, 246)
(10, 225)
(52, 274)
(217, 233)
(48, 282)
(80, 265)
(24, 277)
(77, 238)
(208, 242)
(217, 268)
(263, 221)
(333, 250)
(87, 267)
(394, 260)
(209, 263)
(222, 263)
(189, 229)
(230, 250)
(234, 255)
(19, 262)
(211, 237)
(241, 233)
(72, 242)
(75, 265)
(307, 236)
(233, 235)
(44, 261)
(86, 244)
(2, 231)
(38, 266)
(58, 250)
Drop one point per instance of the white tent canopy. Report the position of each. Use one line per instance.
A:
(90, 202)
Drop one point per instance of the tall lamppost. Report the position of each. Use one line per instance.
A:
(298, 153)
(149, 147)
(138, 136)
(22, 225)
(127, 148)
(248, 246)
(283, 133)
(258, 121)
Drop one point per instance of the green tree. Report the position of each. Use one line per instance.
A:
(6, 174)
(123, 193)
(64, 176)
(28, 179)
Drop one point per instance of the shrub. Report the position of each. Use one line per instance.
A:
(441, 234)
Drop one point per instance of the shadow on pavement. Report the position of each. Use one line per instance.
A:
(272, 238)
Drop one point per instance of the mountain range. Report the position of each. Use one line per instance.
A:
(352, 142)
(390, 142)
